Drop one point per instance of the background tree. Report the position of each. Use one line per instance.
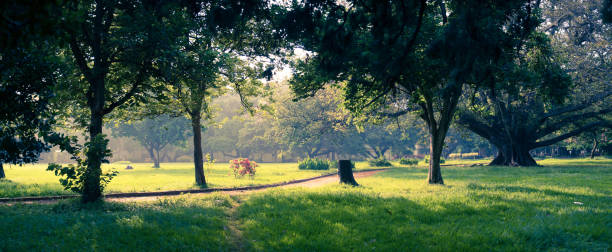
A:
(208, 58)
(154, 134)
(390, 50)
(538, 114)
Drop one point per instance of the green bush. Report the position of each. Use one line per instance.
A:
(73, 176)
(315, 164)
(427, 160)
(379, 162)
(408, 161)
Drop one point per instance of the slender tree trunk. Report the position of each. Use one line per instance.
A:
(2, 175)
(595, 143)
(197, 150)
(154, 158)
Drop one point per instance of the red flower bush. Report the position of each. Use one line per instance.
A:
(243, 166)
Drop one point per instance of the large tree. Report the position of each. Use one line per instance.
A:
(389, 51)
(538, 113)
(114, 45)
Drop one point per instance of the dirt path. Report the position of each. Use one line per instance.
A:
(125, 197)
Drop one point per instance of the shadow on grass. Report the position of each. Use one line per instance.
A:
(353, 221)
(166, 225)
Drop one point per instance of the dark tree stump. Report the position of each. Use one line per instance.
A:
(345, 172)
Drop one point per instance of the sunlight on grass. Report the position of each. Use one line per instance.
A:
(29, 180)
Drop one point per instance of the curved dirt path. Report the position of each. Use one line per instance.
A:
(125, 197)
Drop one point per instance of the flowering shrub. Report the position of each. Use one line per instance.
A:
(243, 166)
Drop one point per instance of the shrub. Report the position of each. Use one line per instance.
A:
(243, 166)
(315, 164)
(379, 162)
(408, 161)
(72, 177)
(427, 160)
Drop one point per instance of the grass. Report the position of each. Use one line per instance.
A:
(479, 209)
(34, 180)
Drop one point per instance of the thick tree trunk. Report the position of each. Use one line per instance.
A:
(345, 172)
(197, 151)
(436, 143)
(513, 155)
(595, 143)
(2, 175)
(91, 181)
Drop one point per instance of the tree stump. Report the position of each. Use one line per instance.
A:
(345, 172)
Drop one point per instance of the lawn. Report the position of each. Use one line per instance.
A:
(479, 209)
(34, 180)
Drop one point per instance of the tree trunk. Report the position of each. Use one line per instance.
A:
(436, 143)
(153, 157)
(345, 172)
(513, 155)
(197, 150)
(2, 175)
(91, 181)
(595, 143)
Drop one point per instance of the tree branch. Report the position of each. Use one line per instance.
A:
(572, 133)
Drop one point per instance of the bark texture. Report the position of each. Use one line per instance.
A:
(2, 175)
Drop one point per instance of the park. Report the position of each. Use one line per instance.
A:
(259, 125)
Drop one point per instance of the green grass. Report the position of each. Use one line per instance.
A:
(177, 224)
(34, 180)
(479, 209)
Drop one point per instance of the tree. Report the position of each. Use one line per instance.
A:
(208, 58)
(536, 115)
(155, 134)
(29, 71)
(113, 45)
(310, 127)
(407, 51)
(28, 75)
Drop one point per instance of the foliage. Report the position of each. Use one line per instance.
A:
(154, 134)
(243, 166)
(73, 176)
(314, 164)
(408, 161)
(209, 163)
(394, 57)
(29, 72)
(379, 162)
(426, 160)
